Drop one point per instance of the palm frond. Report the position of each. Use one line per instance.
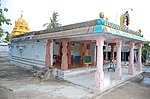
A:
(53, 21)
(45, 24)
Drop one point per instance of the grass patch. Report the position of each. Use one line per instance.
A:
(1, 76)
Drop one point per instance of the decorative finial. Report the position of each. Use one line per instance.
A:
(21, 13)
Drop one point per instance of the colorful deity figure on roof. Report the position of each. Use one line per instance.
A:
(101, 15)
(125, 19)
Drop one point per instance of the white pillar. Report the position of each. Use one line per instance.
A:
(99, 74)
(139, 65)
(118, 72)
(131, 59)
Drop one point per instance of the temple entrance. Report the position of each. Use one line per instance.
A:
(79, 54)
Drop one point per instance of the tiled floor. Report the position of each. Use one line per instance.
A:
(87, 79)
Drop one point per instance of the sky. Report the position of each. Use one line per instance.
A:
(38, 12)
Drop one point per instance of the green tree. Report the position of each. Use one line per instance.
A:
(7, 37)
(53, 21)
(145, 50)
(3, 20)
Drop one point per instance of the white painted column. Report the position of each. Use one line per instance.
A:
(139, 64)
(131, 59)
(118, 72)
(99, 74)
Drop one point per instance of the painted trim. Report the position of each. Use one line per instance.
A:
(98, 29)
(103, 26)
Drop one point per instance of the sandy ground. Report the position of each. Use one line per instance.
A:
(19, 83)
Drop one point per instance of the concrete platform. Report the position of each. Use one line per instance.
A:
(87, 78)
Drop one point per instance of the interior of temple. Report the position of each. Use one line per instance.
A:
(82, 54)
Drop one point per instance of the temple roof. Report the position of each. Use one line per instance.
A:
(21, 27)
(62, 28)
(93, 27)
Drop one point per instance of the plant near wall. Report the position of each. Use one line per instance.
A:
(53, 21)
(7, 37)
(3, 20)
(145, 50)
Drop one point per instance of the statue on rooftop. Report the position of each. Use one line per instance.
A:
(101, 15)
(125, 19)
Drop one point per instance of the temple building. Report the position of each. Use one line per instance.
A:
(81, 45)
